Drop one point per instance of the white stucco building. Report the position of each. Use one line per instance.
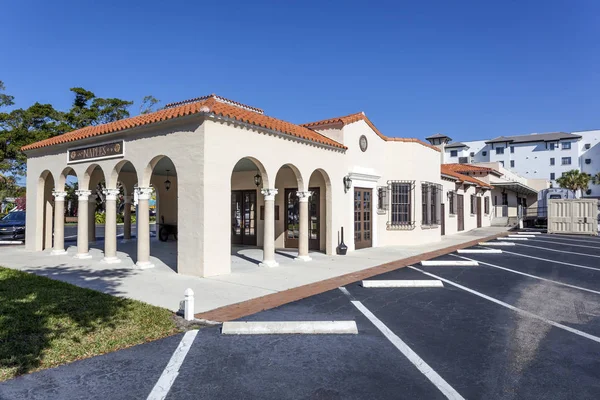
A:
(226, 175)
(534, 156)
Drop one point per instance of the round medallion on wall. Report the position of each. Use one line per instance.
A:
(362, 142)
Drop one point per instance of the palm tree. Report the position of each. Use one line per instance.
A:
(596, 179)
(574, 180)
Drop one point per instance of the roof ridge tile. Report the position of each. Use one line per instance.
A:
(210, 105)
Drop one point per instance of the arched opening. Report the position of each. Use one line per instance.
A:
(68, 183)
(248, 177)
(288, 182)
(123, 178)
(163, 216)
(44, 210)
(320, 212)
(95, 182)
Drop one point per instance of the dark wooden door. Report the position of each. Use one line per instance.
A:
(460, 210)
(243, 217)
(362, 218)
(443, 222)
(479, 212)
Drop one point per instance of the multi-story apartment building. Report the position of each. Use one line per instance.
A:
(534, 156)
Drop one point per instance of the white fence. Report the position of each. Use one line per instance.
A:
(574, 216)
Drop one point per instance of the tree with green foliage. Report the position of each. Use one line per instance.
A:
(148, 105)
(574, 180)
(20, 127)
(5, 99)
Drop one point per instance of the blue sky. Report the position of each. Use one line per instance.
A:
(470, 69)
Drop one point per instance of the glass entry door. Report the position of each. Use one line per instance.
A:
(314, 220)
(362, 218)
(243, 217)
(292, 219)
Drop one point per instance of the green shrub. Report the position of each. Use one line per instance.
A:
(100, 218)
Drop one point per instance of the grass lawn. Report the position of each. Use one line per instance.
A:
(45, 323)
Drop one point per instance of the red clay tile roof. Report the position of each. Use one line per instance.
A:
(348, 119)
(462, 168)
(449, 169)
(209, 105)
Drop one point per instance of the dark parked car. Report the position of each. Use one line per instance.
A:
(12, 226)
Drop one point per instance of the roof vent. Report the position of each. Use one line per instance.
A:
(217, 98)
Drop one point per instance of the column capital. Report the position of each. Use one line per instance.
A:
(303, 195)
(128, 199)
(58, 195)
(269, 193)
(83, 194)
(143, 193)
(111, 194)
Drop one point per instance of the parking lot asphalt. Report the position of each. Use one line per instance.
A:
(524, 324)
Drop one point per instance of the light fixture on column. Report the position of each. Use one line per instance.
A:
(168, 182)
(257, 179)
(347, 183)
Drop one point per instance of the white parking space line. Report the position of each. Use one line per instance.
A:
(11, 242)
(442, 263)
(346, 292)
(511, 307)
(496, 243)
(289, 328)
(164, 383)
(520, 235)
(515, 238)
(552, 237)
(479, 251)
(567, 244)
(552, 261)
(413, 357)
(529, 233)
(590, 238)
(402, 283)
(533, 276)
(559, 251)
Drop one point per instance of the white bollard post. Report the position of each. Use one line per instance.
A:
(188, 307)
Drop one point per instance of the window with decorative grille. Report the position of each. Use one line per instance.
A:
(401, 215)
(431, 195)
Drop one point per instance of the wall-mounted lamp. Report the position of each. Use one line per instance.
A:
(257, 179)
(168, 182)
(347, 183)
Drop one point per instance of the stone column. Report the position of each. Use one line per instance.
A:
(110, 226)
(269, 229)
(127, 200)
(143, 226)
(303, 239)
(82, 224)
(59, 223)
(92, 218)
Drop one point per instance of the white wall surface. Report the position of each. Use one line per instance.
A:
(593, 154)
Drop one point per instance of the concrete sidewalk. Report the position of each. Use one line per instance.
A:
(161, 286)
